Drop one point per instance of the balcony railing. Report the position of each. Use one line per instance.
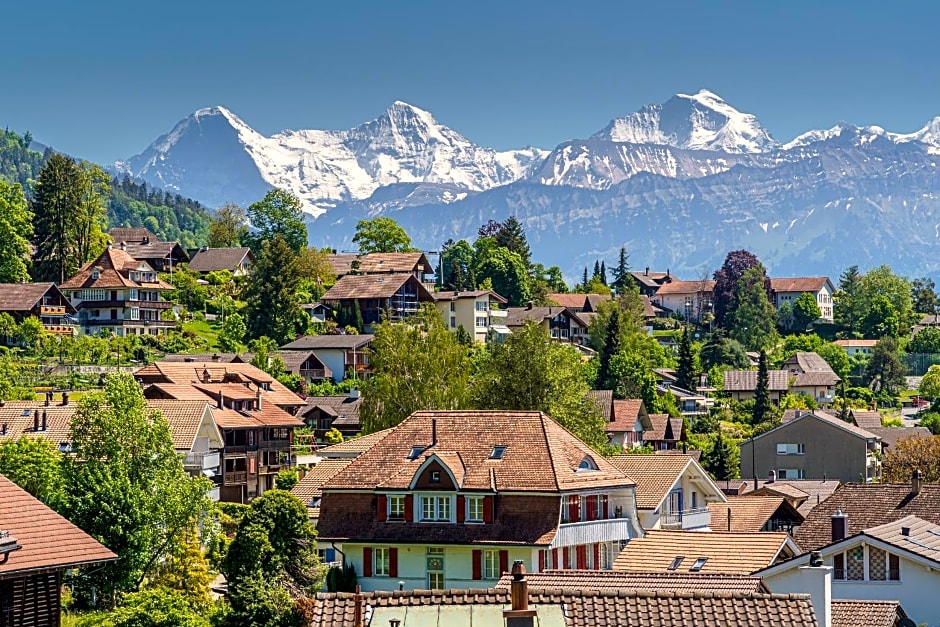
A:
(498, 313)
(51, 310)
(234, 478)
(687, 519)
(592, 531)
(59, 329)
(214, 493)
(313, 373)
(202, 461)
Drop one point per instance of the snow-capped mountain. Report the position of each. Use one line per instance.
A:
(209, 156)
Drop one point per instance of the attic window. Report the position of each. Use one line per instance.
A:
(676, 562)
(497, 452)
(415, 452)
(587, 463)
(698, 565)
(95, 274)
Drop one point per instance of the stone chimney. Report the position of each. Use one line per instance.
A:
(529, 305)
(816, 580)
(916, 482)
(840, 526)
(519, 614)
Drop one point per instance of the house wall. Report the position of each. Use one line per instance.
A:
(696, 495)
(823, 299)
(829, 453)
(823, 394)
(465, 314)
(335, 360)
(746, 395)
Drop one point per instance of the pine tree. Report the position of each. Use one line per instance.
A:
(685, 374)
(762, 407)
(603, 273)
(511, 235)
(597, 269)
(273, 310)
(621, 271)
(584, 281)
(610, 349)
(357, 316)
(720, 460)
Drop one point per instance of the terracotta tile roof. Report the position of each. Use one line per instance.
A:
(338, 341)
(726, 553)
(626, 413)
(202, 357)
(48, 541)
(891, 435)
(604, 399)
(867, 505)
(866, 613)
(922, 537)
(804, 494)
(540, 456)
(750, 513)
(518, 316)
(861, 343)
(686, 287)
(189, 373)
(451, 295)
(231, 391)
(185, 419)
(693, 453)
(131, 234)
(663, 429)
(215, 259)
(809, 362)
(22, 297)
(602, 580)
(866, 419)
(178, 392)
(379, 263)
(654, 475)
(156, 250)
(359, 286)
(815, 379)
(341, 407)
(113, 265)
(308, 488)
(798, 284)
(570, 607)
(650, 279)
(353, 447)
(746, 380)
(571, 301)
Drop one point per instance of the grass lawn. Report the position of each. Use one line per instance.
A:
(206, 331)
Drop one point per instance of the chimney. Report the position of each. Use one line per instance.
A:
(529, 305)
(816, 580)
(216, 357)
(433, 431)
(49, 398)
(258, 399)
(905, 531)
(772, 476)
(45, 423)
(357, 607)
(353, 393)
(667, 273)
(797, 413)
(840, 526)
(123, 245)
(647, 271)
(65, 398)
(36, 420)
(916, 482)
(221, 400)
(3, 429)
(729, 519)
(519, 615)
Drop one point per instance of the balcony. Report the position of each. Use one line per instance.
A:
(592, 531)
(315, 373)
(201, 461)
(59, 329)
(235, 478)
(687, 519)
(51, 310)
(498, 313)
(213, 494)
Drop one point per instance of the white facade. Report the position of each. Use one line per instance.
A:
(475, 312)
(686, 503)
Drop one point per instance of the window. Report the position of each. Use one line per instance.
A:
(698, 565)
(435, 508)
(676, 562)
(453, 306)
(587, 463)
(497, 452)
(481, 321)
(415, 452)
(791, 473)
(453, 323)
(491, 564)
(474, 509)
(435, 564)
(850, 565)
(381, 557)
(396, 507)
(791, 449)
(481, 305)
(435, 476)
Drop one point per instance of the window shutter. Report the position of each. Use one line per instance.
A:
(381, 508)
(503, 562)
(592, 507)
(409, 508)
(555, 562)
(566, 554)
(597, 557)
(575, 506)
(461, 508)
(367, 562)
(477, 564)
(542, 560)
(582, 557)
(393, 562)
(487, 509)
(604, 505)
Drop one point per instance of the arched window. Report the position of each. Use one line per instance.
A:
(587, 463)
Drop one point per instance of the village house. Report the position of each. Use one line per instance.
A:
(803, 494)
(650, 282)
(559, 323)
(577, 303)
(141, 244)
(787, 290)
(856, 347)
(672, 491)
(812, 375)
(451, 499)
(339, 411)
(741, 385)
(414, 263)
(628, 423)
(308, 490)
(238, 261)
(379, 297)
(118, 293)
(692, 300)
(36, 546)
(755, 512)
(665, 433)
(346, 356)
(814, 445)
(42, 301)
(476, 311)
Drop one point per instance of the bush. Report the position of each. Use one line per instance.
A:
(931, 420)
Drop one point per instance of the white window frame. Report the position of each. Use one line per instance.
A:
(381, 558)
(791, 449)
(791, 473)
(481, 321)
(491, 564)
(481, 305)
(441, 508)
(396, 502)
(474, 503)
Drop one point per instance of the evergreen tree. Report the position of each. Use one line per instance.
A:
(720, 461)
(273, 310)
(762, 408)
(597, 269)
(753, 318)
(511, 235)
(612, 346)
(584, 280)
(356, 317)
(621, 272)
(685, 373)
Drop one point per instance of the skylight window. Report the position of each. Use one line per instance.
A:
(698, 565)
(920, 543)
(415, 452)
(676, 562)
(498, 451)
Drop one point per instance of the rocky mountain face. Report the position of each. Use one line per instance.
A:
(679, 184)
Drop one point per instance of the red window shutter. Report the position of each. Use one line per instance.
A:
(367, 562)
(597, 557)
(566, 554)
(409, 508)
(477, 564)
(381, 508)
(393, 562)
(487, 509)
(251, 465)
(555, 563)
(582, 557)
(503, 562)
(592, 507)
(575, 508)
(604, 505)
(541, 560)
(461, 508)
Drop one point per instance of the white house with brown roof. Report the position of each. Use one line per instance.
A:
(693, 300)
(787, 290)
(451, 499)
(476, 311)
(856, 347)
(812, 375)
(43, 301)
(742, 384)
(672, 491)
(628, 421)
(143, 245)
(238, 261)
(560, 323)
(344, 355)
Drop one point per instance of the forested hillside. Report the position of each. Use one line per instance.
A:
(171, 217)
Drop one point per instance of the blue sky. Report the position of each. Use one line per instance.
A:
(103, 79)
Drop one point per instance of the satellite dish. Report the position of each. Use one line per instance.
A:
(906, 622)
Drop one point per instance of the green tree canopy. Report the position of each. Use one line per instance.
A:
(381, 235)
(929, 388)
(273, 309)
(16, 230)
(737, 262)
(507, 272)
(885, 369)
(927, 340)
(924, 296)
(720, 350)
(34, 464)
(805, 311)
(753, 318)
(685, 374)
(722, 459)
(228, 227)
(511, 236)
(279, 213)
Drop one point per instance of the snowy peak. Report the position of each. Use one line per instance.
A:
(929, 135)
(701, 121)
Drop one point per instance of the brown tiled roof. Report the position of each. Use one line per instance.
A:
(48, 541)
(861, 343)
(626, 413)
(815, 379)
(308, 488)
(22, 297)
(750, 512)
(890, 436)
(809, 362)
(215, 259)
(203, 357)
(746, 380)
(341, 262)
(131, 234)
(184, 417)
(189, 373)
(156, 250)
(613, 580)
(604, 399)
(866, 613)
(113, 265)
(518, 316)
(650, 279)
(921, 536)
(663, 429)
(867, 505)
(342, 341)
(359, 286)
(353, 447)
(576, 608)
(654, 475)
(693, 453)
(866, 419)
(447, 295)
(804, 494)
(685, 287)
(727, 553)
(379, 263)
(268, 416)
(339, 406)
(798, 284)
(571, 301)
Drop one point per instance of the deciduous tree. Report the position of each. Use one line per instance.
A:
(381, 235)
(885, 369)
(279, 213)
(228, 227)
(753, 319)
(34, 464)
(16, 229)
(805, 311)
(736, 264)
(910, 454)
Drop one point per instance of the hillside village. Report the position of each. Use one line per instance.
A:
(257, 431)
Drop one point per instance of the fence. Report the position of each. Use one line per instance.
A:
(918, 363)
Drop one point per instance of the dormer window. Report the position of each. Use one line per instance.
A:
(498, 451)
(96, 274)
(587, 463)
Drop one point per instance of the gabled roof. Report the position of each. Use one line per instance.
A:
(862, 343)
(113, 266)
(23, 297)
(156, 250)
(359, 286)
(604, 399)
(308, 488)
(655, 476)
(519, 316)
(540, 455)
(345, 410)
(867, 613)
(751, 512)
(664, 429)
(353, 447)
(746, 380)
(342, 341)
(47, 540)
(185, 419)
(203, 357)
(131, 234)
(686, 287)
(824, 418)
(626, 413)
(650, 279)
(890, 436)
(618, 580)
(910, 533)
(193, 373)
(804, 494)
(380, 263)
(572, 301)
(868, 505)
(815, 379)
(799, 284)
(726, 553)
(448, 295)
(866, 419)
(215, 259)
(809, 362)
